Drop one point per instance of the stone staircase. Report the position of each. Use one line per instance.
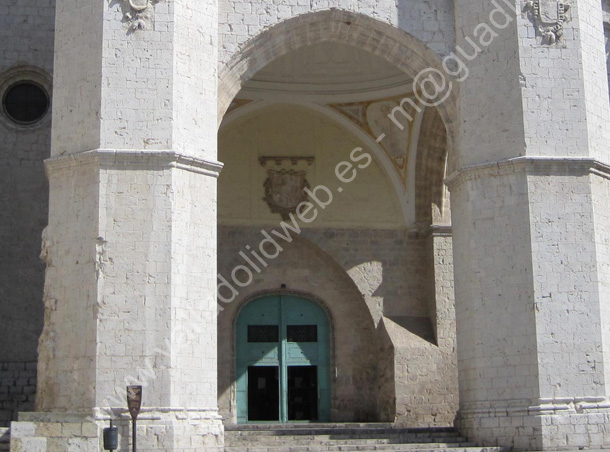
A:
(345, 437)
(5, 438)
(334, 437)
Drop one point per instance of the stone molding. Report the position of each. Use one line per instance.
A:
(134, 160)
(159, 413)
(101, 414)
(440, 230)
(536, 407)
(539, 165)
(431, 230)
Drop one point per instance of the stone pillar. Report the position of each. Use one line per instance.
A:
(444, 302)
(530, 194)
(130, 248)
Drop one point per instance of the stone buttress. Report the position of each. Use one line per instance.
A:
(130, 248)
(529, 193)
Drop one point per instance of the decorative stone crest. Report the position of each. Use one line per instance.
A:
(548, 17)
(138, 13)
(285, 190)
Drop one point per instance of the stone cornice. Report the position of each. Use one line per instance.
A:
(434, 230)
(440, 230)
(556, 166)
(536, 407)
(147, 413)
(134, 160)
(159, 413)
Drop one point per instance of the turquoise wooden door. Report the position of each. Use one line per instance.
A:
(283, 361)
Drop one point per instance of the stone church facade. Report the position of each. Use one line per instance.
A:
(402, 205)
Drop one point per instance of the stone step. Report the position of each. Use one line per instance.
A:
(344, 433)
(5, 438)
(362, 448)
(352, 442)
(310, 432)
(336, 425)
(306, 425)
(408, 437)
(340, 429)
(345, 439)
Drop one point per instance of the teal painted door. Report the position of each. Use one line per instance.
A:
(283, 361)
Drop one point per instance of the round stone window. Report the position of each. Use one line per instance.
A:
(25, 102)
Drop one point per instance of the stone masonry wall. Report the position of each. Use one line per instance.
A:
(27, 30)
(26, 53)
(386, 265)
(424, 353)
(17, 389)
(430, 21)
(26, 47)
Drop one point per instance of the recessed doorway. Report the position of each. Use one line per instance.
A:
(283, 354)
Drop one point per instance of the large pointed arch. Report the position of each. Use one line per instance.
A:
(395, 46)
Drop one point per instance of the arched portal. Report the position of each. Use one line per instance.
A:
(303, 101)
(283, 360)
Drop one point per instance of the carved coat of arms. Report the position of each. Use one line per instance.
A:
(548, 16)
(285, 190)
(138, 13)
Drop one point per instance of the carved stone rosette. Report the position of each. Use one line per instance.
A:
(548, 23)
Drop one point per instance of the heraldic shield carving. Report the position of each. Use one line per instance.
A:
(138, 14)
(285, 190)
(548, 16)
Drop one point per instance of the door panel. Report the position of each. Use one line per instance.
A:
(261, 312)
(301, 353)
(267, 353)
(263, 393)
(302, 393)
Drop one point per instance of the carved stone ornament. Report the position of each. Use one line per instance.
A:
(548, 17)
(279, 159)
(285, 190)
(138, 13)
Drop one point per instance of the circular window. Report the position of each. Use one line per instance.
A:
(25, 102)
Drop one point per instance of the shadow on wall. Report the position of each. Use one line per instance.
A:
(385, 265)
(304, 269)
(18, 391)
